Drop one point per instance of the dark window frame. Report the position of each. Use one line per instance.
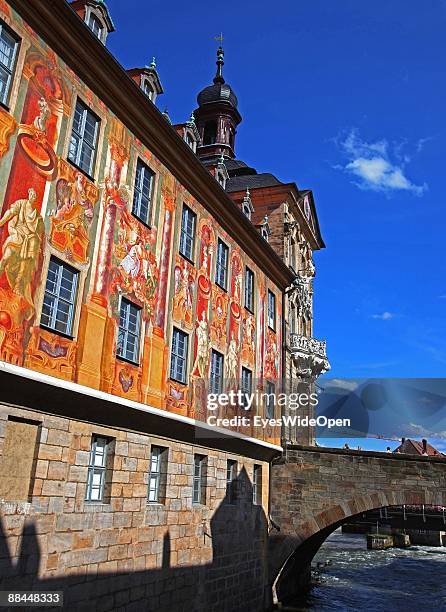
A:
(9, 70)
(57, 299)
(272, 310)
(140, 199)
(78, 137)
(199, 480)
(175, 356)
(249, 290)
(187, 239)
(122, 349)
(222, 270)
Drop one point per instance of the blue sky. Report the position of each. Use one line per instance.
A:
(346, 98)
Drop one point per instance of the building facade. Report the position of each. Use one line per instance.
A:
(131, 284)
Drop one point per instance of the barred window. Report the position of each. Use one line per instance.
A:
(84, 138)
(249, 290)
(221, 272)
(129, 331)
(187, 235)
(157, 474)
(178, 359)
(199, 480)
(231, 481)
(60, 297)
(257, 485)
(216, 376)
(142, 194)
(9, 45)
(97, 468)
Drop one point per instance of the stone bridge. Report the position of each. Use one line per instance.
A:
(315, 490)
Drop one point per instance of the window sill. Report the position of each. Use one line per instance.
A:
(249, 310)
(145, 223)
(89, 177)
(180, 382)
(133, 363)
(191, 261)
(58, 333)
(225, 289)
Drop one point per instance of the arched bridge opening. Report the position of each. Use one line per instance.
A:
(316, 490)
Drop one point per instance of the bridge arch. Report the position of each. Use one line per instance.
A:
(315, 490)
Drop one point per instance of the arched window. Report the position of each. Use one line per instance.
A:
(210, 133)
(246, 211)
(264, 233)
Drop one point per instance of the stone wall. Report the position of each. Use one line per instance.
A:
(127, 553)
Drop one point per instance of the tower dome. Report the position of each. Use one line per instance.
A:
(217, 116)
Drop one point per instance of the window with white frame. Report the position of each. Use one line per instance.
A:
(142, 195)
(231, 481)
(221, 270)
(249, 290)
(187, 234)
(84, 138)
(96, 26)
(216, 372)
(9, 45)
(178, 357)
(147, 88)
(271, 310)
(97, 468)
(157, 474)
(129, 331)
(264, 233)
(246, 210)
(199, 480)
(246, 385)
(257, 485)
(59, 301)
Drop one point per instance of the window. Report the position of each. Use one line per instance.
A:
(157, 474)
(216, 377)
(17, 463)
(231, 482)
(264, 233)
(178, 359)
(9, 45)
(199, 483)
(96, 26)
(292, 320)
(270, 399)
(221, 271)
(100, 454)
(84, 138)
(249, 290)
(246, 210)
(257, 485)
(142, 194)
(187, 236)
(60, 297)
(271, 310)
(246, 385)
(148, 89)
(129, 331)
(210, 133)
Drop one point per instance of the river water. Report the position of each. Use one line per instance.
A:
(389, 580)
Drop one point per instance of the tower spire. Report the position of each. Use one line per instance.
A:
(220, 63)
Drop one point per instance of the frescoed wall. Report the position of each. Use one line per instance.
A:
(50, 208)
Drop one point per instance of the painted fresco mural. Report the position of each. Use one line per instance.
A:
(50, 208)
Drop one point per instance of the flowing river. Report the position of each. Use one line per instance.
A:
(361, 579)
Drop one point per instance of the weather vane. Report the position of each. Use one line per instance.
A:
(219, 38)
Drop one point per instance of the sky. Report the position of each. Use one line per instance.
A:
(348, 99)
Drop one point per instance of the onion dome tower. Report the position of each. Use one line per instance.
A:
(217, 117)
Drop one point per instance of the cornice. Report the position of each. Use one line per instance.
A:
(71, 40)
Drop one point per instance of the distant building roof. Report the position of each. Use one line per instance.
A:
(413, 447)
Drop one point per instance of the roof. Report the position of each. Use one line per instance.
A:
(219, 92)
(238, 183)
(413, 447)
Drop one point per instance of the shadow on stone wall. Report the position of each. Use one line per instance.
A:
(235, 581)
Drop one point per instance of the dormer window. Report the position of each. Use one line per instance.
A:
(147, 88)
(247, 205)
(246, 211)
(264, 233)
(191, 141)
(96, 26)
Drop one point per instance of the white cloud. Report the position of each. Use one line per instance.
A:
(377, 165)
(384, 316)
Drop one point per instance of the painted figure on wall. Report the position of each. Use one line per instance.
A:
(200, 366)
(21, 249)
(248, 344)
(184, 290)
